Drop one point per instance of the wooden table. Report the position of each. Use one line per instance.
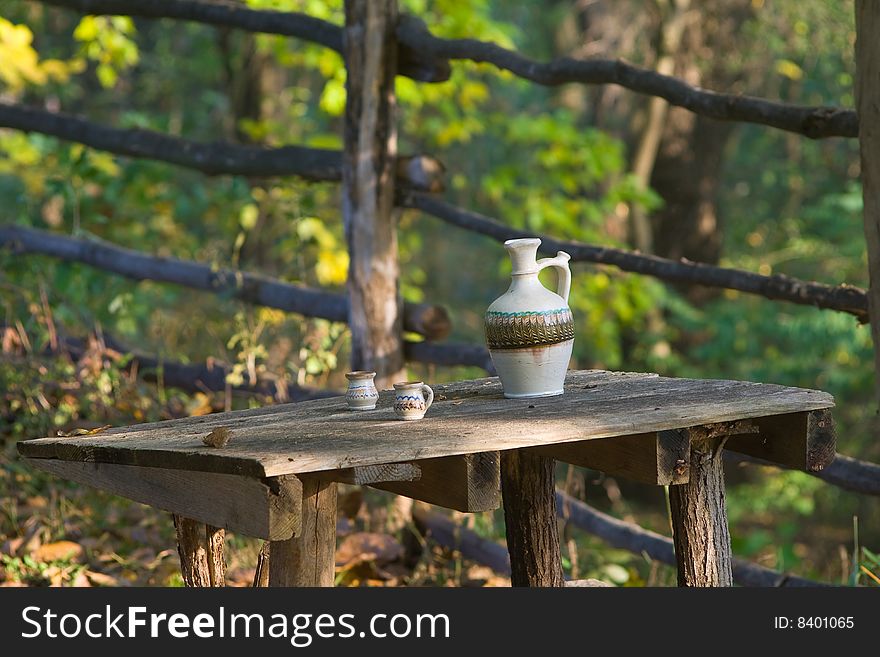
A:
(276, 478)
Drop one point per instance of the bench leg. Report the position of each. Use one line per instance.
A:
(261, 574)
(528, 488)
(699, 517)
(200, 546)
(309, 558)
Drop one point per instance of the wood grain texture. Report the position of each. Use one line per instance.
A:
(200, 547)
(661, 458)
(699, 516)
(240, 504)
(372, 474)
(529, 490)
(467, 417)
(467, 483)
(801, 441)
(308, 559)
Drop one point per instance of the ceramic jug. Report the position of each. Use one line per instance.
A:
(529, 329)
(361, 394)
(412, 399)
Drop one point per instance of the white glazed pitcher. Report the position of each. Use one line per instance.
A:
(529, 329)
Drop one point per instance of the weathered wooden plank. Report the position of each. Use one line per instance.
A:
(308, 559)
(529, 490)
(240, 504)
(200, 547)
(468, 483)
(466, 417)
(699, 516)
(803, 441)
(372, 474)
(661, 457)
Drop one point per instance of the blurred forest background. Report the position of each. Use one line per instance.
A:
(574, 161)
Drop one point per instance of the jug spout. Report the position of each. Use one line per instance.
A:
(523, 255)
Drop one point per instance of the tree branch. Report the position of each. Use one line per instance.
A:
(619, 534)
(449, 354)
(414, 172)
(425, 319)
(637, 540)
(425, 57)
(814, 122)
(195, 377)
(844, 472)
(414, 63)
(213, 159)
(844, 298)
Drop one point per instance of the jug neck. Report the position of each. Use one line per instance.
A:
(523, 256)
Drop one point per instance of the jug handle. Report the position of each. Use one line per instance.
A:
(428, 394)
(563, 273)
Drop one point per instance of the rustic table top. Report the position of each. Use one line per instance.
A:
(467, 417)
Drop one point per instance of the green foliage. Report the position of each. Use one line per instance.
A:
(107, 41)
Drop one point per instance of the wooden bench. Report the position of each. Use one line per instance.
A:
(277, 477)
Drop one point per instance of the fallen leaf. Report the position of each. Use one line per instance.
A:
(366, 546)
(218, 437)
(58, 551)
(102, 579)
(83, 432)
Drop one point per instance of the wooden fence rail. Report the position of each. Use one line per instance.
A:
(326, 165)
(424, 57)
(424, 319)
(844, 298)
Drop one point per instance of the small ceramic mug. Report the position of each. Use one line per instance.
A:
(412, 399)
(361, 394)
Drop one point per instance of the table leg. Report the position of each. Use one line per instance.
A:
(309, 558)
(261, 574)
(528, 488)
(699, 517)
(200, 546)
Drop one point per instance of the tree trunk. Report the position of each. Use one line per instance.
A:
(649, 144)
(529, 491)
(200, 546)
(375, 316)
(688, 168)
(868, 106)
(699, 518)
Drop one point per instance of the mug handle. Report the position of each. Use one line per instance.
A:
(563, 285)
(429, 395)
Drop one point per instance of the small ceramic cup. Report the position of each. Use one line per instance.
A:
(361, 394)
(412, 399)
